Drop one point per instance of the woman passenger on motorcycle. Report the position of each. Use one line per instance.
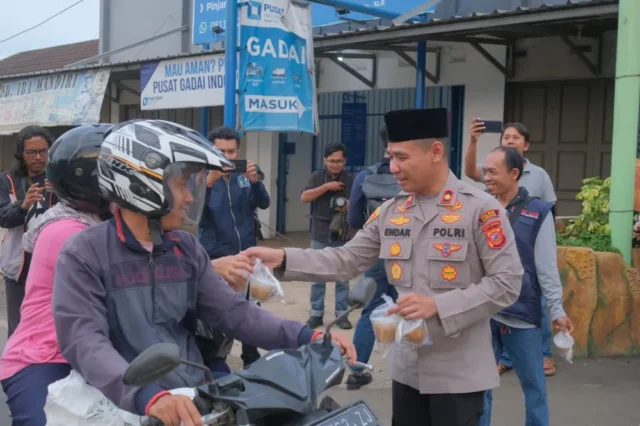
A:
(134, 281)
(32, 360)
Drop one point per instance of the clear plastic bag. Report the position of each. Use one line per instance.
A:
(413, 332)
(384, 326)
(243, 289)
(264, 286)
(564, 345)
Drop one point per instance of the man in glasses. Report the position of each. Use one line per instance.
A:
(24, 196)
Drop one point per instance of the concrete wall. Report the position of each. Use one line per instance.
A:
(549, 58)
(124, 22)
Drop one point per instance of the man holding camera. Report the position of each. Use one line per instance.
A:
(228, 227)
(328, 192)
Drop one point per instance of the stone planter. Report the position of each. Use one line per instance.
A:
(602, 297)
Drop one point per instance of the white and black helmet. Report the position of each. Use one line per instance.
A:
(138, 156)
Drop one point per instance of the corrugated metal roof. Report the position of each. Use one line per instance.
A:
(49, 58)
(329, 32)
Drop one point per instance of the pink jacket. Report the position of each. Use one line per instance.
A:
(35, 340)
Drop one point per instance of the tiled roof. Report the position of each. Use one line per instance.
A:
(48, 58)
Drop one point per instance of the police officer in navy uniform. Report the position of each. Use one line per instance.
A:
(449, 270)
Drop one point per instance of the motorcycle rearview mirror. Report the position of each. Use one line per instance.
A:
(362, 293)
(155, 363)
(359, 295)
(152, 364)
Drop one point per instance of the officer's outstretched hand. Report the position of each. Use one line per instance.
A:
(271, 258)
(414, 306)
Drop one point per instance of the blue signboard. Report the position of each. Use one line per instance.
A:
(354, 132)
(208, 14)
(277, 89)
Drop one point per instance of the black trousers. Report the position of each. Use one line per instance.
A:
(14, 292)
(411, 408)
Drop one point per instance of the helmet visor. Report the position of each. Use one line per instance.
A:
(185, 187)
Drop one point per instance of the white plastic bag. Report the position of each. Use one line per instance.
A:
(264, 286)
(245, 286)
(413, 333)
(564, 343)
(384, 326)
(72, 402)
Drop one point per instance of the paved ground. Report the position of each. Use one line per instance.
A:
(586, 393)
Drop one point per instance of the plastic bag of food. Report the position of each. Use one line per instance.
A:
(244, 287)
(264, 286)
(413, 332)
(384, 326)
(564, 343)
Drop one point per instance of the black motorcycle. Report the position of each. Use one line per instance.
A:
(280, 389)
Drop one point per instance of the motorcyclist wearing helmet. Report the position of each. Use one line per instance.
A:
(137, 280)
(32, 360)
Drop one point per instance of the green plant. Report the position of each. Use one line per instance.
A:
(595, 242)
(591, 227)
(594, 218)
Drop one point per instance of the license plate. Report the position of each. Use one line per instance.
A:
(356, 415)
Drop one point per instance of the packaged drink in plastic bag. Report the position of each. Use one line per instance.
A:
(264, 286)
(564, 343)
(413, 332)
(384, 326)
(243, 289)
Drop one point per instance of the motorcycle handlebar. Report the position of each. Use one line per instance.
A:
(201, 404)
(358, 364)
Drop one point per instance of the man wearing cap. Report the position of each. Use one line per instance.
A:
(454, 263)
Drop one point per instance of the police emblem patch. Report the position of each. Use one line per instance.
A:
(449, 273)
(447, 249)
(396, 271)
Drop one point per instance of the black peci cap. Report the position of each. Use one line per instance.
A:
(413, 124)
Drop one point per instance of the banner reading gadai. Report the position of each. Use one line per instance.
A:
(66, 99)
(182, 83)
(277, 71)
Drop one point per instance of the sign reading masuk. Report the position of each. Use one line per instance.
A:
(182, 83)
(65, 99)
(277, 70)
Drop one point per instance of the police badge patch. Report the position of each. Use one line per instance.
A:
(373, 216)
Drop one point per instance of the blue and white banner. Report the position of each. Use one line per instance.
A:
(64, 99)
(182, 83)
(277, 69)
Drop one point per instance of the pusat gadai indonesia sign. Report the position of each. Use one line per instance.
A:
(183, 83)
